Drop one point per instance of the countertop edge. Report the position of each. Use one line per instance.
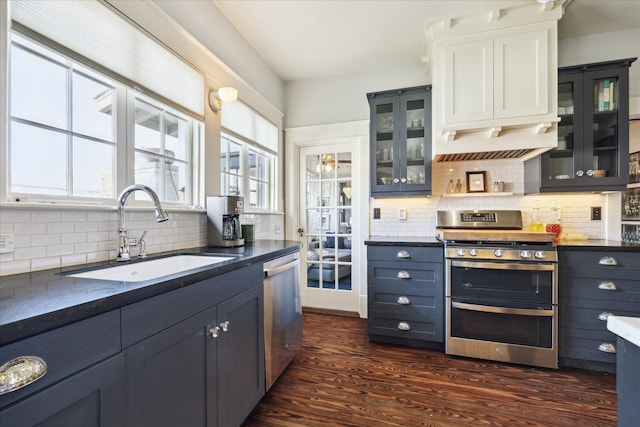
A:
(625, 327)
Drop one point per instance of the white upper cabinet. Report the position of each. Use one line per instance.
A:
(495, 82)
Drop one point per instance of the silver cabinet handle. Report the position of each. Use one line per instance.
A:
(404, 326)
(580, 172)
(607, 347)
(608, 260)
(404, 275)
(214, 332)
(225, 326)
(403, 254)
(20, 372)
(604, 316)
(607, 286)
(404, 300)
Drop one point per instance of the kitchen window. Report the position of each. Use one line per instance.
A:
(71, 129)
(247, 171)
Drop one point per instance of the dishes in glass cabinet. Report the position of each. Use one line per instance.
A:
(384, 122)
(561, 177)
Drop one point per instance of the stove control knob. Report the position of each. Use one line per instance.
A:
(473, 252)
(460, 252)
(498, 252)
(539, 255)
(525, 254)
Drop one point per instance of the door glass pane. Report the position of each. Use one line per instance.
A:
(45, 152)
(328, 201)
(605, 128)
(561, 159)
(384, 144)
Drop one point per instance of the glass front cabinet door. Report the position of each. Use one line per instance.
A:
(593, 132)
(400, 134)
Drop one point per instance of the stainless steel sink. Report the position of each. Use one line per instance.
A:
(152, 269)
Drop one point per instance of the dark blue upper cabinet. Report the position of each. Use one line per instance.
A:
(400, 138)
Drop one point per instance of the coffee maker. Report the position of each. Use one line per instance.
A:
(223, 221)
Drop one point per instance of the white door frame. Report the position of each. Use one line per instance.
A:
(321, 135)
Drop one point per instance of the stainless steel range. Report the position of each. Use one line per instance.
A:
(501, 288)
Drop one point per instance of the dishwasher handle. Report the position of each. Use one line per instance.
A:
(270, 272)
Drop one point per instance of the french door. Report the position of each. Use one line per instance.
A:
(329, 203)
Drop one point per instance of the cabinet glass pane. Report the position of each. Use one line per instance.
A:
(415, 152)
(605, 128)
(384, 144)
(561, 162)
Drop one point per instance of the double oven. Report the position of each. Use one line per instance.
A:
(501, 288)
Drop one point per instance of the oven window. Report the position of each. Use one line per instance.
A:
(532, 331)
(504, 285)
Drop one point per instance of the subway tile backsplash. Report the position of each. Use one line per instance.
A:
(53, 238)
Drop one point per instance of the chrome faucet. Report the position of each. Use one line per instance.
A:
(124, 243)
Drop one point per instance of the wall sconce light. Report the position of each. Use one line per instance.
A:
(226, 94)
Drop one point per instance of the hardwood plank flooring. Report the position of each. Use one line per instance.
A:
(339, 378)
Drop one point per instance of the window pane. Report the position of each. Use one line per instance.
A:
(39, 88)
(147, 129)
(175, 174)
(147, 171)
(224, 155)
(175, 140)
(93, 168)
(253, 164)
(253, 194)
(92, 108)
(39, 160)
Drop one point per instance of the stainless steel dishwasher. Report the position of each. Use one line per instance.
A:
(282, 314)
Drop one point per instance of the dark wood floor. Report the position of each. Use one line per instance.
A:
(339, 378)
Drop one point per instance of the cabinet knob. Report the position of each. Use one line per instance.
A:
(604, 316)
(579, 172)
(403, 180)
(404, 300)
(396, 180)
(225, 326)
(589, 172)
(403, 275)
(215, 331)
(20, 372)
(404, 326)
(607, 347)
(607, 286)
(403, 254)
(608, 260)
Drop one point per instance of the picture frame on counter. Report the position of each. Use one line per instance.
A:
(476, 182)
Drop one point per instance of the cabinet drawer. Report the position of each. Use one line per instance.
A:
(583, 344)
(405, 253)
(409, 326)
(394, 273)
(612, 287)
(66, 350)
(586, 259)
(145, 318)
(587, 314)
(404, 303)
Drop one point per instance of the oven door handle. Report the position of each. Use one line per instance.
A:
(503, 266)
(502, 310)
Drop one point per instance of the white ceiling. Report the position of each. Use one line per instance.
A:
(307, 39)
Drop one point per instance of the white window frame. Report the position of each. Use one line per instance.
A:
(244, 176)
(124, 118)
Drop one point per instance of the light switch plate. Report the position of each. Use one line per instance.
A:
(596, 213)
(6, 243)
(402, 213)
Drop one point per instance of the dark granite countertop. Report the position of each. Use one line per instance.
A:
(598, 245)
(31, 303)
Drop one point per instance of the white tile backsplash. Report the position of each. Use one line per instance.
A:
(51, 238)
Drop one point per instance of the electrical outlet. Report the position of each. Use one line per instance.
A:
(596, 213)
(6, 243)
(278, 229)
(376, 213)
(402, 213)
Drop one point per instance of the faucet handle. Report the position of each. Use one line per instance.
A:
(140, 242)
